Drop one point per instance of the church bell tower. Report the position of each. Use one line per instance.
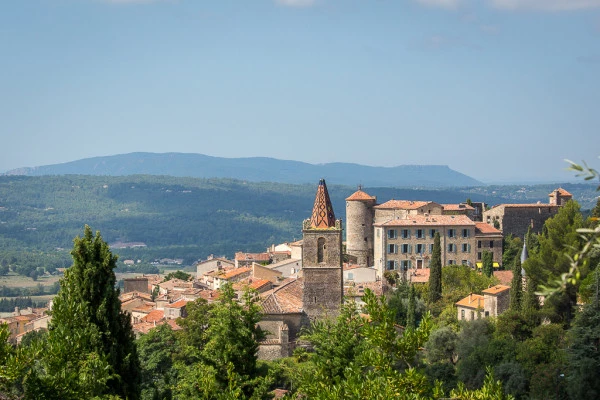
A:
(322, 259)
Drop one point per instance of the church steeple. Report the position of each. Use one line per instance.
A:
(322, 214)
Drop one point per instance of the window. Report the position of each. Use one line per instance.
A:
(479, 244)
(466, 248)
(420, 234)
(462, 314)
(487, 314)
(392, 248)
(465, 262)
(405, 233)
(451, 233)
(491, 244)
(350, 276)
(431, 248)
(405, 265)
(392, 234)
(450, 262)
(321, 249)
(420, 249)
(479, 255)
(465, 233)
(406, 248)
(451, 248)
(432, 233)
(472, 315)
(391, 265)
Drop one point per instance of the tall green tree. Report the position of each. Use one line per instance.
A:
(516, 286)
(488, 263)
(435, 271)
(88, 324)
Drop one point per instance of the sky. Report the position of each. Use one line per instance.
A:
(500, 90)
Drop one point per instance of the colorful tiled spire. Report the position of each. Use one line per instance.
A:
(322, 214)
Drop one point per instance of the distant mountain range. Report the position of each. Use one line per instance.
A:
(256, 169)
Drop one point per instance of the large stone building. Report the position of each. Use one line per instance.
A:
(398, 234)
(515, 219)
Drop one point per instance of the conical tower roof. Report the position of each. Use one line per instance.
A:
(322, 214)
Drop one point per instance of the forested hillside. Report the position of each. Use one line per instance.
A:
(185, 218)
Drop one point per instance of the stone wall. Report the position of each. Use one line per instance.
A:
(516, 220)
(139, 285)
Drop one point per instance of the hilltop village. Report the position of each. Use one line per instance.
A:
(308, 279)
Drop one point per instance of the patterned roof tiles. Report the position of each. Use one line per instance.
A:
(322, 216)
(484, 228)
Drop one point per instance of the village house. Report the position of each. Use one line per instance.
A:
(212, 264)
(494, 301)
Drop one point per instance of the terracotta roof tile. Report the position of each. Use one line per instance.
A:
(420, 275)
(284, 299)
(505, 277)
(154, 316)
(483, 228)
(457, 207)
(471, 301)
(359, 195)
(236, 272)
(240, 256)
(358, 290)
(402, 204)
(431, 220)
(496, 289)
(177, 304)
(561, 192)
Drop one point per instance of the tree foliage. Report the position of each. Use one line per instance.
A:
(435, 272)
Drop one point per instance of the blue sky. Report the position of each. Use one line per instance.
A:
(501, 90)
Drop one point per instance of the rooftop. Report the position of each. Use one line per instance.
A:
(403, 204)
(486, 229)
(431, 220)
(285, 299)
(471, 301)
(360, 195)
(496, 289)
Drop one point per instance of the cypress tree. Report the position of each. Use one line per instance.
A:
(516, 286)
(488, 263)
(88, 324)
(435, 272)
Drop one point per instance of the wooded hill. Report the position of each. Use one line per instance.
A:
(185, 218)
(256, 169)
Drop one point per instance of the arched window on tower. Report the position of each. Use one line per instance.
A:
(321, 247)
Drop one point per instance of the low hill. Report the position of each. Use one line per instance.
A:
(256, 169)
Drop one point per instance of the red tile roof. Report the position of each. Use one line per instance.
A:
(235, 272)
(505, 277)
(431, 220)
(483, 228)
(420, 275)
(496, 289)
(457, 207)
(359, 195)
(154, 316)
(471, 301)
(285, 299)
(561, 192)
(177, 304)
(358, 290)
(402, 204)
(240, 256)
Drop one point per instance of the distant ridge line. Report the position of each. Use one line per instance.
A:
(255, 169)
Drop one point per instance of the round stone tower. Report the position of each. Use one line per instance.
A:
(359, 227)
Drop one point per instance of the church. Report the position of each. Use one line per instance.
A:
(318, 293)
